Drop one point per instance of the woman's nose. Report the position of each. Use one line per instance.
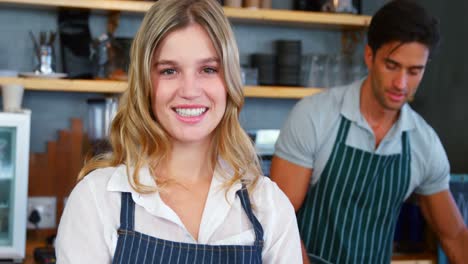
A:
(190, 86)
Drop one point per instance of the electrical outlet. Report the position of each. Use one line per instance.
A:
(42, 209)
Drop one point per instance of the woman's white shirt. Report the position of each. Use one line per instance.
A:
(88, 229)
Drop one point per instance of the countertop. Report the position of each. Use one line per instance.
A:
(421, 258)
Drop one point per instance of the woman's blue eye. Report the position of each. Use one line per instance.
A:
(210, 70)
(168, 71)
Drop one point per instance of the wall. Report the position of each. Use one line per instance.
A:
(441, 99)
(443, 95)
(53, 110)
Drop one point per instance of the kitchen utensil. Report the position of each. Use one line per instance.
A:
(101, 111)
(36, 45)
(339, 6)
(44, 52)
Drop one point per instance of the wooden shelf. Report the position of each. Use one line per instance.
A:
(116, 5)
(269, 16)
(108, 86)
(280, 92)
(272, 16)
(67, 85)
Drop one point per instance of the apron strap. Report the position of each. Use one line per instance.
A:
(127, 212)
(343, 130)
(245, 201)
(405, 144)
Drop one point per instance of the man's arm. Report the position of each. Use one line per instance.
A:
(305, 257)
(442, 214)
(292, 179)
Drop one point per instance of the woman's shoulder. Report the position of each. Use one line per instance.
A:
(97, 179)
(267, 194)
(274, 210)
(101, 174)
(265, 185)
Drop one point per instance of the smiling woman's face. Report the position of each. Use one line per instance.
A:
(189, 91)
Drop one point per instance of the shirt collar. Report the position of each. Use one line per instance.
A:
(153, 203)
(119, 179)
(119, 182)
(351, 109)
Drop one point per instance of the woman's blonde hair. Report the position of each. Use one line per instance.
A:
(136, 137)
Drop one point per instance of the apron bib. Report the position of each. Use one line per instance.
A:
(135, 247)
(349, 215)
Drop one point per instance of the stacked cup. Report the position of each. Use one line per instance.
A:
(289, 60)
(12, 94)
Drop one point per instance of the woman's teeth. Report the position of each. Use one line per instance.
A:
(189, 112)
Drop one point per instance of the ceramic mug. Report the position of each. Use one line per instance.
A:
(12, 95)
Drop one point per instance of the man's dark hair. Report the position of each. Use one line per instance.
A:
(403, 21)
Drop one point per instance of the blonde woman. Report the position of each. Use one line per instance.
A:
(183, 183)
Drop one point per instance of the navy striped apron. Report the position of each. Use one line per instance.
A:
(135, 247)
(349, 215)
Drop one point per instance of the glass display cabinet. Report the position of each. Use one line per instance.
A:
(14, 160)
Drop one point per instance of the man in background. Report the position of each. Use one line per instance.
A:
(349, 157)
